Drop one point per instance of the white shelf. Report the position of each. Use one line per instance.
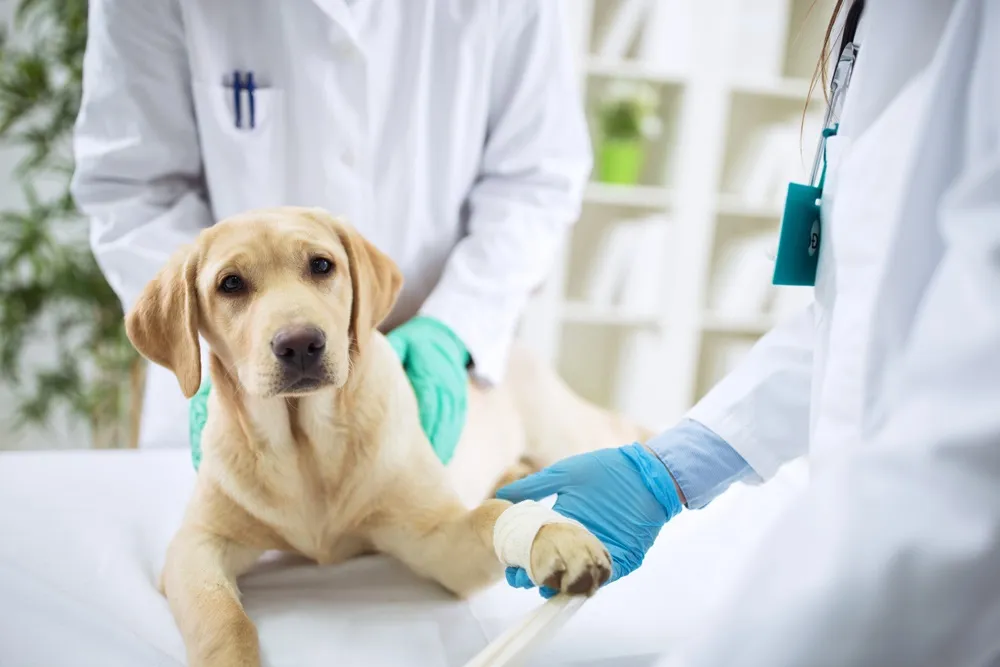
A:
(788, 89)
(708, 110)
(732, 205)
(640, 196)
(586, 313)
(632, 69)
(745, 326)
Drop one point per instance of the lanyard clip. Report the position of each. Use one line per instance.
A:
(841, 80)
(799, 238)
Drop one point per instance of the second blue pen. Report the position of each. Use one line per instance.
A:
(237, 87)
(250, 91)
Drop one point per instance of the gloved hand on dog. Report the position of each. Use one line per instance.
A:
(623, 496)
(436, 363)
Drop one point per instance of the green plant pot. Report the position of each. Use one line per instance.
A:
(620, 161)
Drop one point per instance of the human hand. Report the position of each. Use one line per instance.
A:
(623, 496)
(435, 361)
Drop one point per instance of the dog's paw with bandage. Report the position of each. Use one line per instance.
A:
(555, 552)
(568, 559)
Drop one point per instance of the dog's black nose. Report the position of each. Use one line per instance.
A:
(299, 347)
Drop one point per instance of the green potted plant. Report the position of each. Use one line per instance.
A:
(50, 286)
(626, 119)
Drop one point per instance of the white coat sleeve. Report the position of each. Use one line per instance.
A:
(138, 165)
(891, 556)
(535, 162)
(762, 407)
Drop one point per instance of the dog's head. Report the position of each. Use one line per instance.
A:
(285, 298)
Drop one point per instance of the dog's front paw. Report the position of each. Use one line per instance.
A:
(568, 559)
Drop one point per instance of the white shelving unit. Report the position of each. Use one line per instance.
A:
(654, 363)
(585, 313)
(638, 196)
(743, 326)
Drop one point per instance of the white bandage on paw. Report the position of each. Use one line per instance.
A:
(515, 531)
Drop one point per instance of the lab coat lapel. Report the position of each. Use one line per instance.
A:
(909, 34)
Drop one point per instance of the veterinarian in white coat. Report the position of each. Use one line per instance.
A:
(890, 383)
(449, 133)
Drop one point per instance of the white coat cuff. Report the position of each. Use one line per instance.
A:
(486, 331)
(737, 430)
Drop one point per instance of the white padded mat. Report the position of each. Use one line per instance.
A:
(82, 538)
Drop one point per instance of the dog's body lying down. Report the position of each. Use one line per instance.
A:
(313, 443)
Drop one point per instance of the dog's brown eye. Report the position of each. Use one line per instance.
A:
(320, 265)
(232, 284)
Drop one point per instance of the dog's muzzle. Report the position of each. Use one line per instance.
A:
(299, 351)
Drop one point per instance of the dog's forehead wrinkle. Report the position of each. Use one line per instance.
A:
(274, 236)
(246, 260)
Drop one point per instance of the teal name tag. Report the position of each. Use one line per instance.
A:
(801, 229)
(799, 239)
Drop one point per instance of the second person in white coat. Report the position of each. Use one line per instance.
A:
(889, 382)
(450, 134)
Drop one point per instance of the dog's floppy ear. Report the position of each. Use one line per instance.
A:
(163, 323)
(376, 281)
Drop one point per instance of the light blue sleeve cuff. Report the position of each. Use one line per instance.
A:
(703, 464)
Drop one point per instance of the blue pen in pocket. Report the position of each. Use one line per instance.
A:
(237, 87)
(250, 91)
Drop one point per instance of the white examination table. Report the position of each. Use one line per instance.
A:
(82, 538)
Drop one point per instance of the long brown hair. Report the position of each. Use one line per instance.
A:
(823, 64)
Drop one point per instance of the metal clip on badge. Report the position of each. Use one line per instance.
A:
(799, 239)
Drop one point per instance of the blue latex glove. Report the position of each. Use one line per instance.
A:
(623, 496)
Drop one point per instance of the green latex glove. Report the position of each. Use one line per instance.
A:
(435, 361)
(197, 416)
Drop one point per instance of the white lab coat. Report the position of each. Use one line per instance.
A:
(891, 381)
(449, 132)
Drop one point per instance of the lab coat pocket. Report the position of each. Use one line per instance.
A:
(244, 167)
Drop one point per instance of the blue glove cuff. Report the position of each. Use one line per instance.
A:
(656, 477)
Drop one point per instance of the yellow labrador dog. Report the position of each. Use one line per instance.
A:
(313, 443)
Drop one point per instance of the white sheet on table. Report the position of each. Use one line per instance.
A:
(82, 537)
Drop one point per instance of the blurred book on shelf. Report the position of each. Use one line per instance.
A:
(759, 44)
(629, 270)
(741, 286)
(623, 27)
(771, 157)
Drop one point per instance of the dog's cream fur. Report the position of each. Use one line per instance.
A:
(343, 468)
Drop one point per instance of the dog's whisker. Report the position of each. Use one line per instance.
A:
(233, 371)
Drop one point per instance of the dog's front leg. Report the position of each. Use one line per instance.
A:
(440, 539)
(199, 580)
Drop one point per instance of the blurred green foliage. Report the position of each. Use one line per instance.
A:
(48, 276)
(627, 111)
